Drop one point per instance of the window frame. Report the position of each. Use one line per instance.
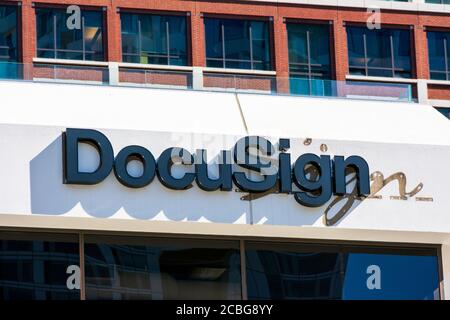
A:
(55, 50)
(270, 43)
(142, 12)
(393, 68)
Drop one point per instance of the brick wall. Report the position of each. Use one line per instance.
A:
(276, 12)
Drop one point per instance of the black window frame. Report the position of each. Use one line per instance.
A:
(393, 69)
(169, 56)
(55, 50)
(224, 60)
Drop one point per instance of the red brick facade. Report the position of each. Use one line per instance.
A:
(276, 12)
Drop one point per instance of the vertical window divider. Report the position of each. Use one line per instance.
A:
(308, 53)
(168, 41)
(82, 38)
(54, 36)
(82, 268)
(447, 73)
(139, 40)
(391, 41)
(244, 290)
(366, 62)
(251, 44)
(223, 45)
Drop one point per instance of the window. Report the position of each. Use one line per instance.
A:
(8, 33)
(237, 44)
(56, 41)
(309, 58)
(35, 266)
(301, 271)
(154, 39)
(439, 55)
(130, 268)
(379, 53)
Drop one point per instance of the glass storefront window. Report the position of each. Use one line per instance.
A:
(154, 39)
(379, 53)
(56, 41)
(129, 268)
(326, 272)
(35, 266)
(237, 44)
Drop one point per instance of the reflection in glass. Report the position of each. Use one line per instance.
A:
(382, 52)
(401, 277)
(8, 33)
(321, 272)
(237, 44)
(34, 267)
(56, 41)
(162, 269)
(309, 59)
(154, 39)
(439, 54)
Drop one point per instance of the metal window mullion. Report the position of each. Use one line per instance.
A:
(244, 290)
(223, 45)
(250, 34)
(366, 62)
(82, 267)
(139, 40)
(168, 42)
(55, 46)
(447, 71)
(308, 53)
(82, 38)
(391, 39)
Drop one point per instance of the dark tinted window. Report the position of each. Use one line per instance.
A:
(35, 267)
(379, 52)
(154, 39)
(309, 59)
(439, 55)
(56, 40)
(237, 44)
(311, 272)
(162, 269)
(8, 33)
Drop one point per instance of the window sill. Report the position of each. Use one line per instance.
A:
(380, 79)
(240, 71)
(71, 62)
(439, 82)
(154, 66)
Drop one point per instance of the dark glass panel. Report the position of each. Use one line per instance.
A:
(162, 269)
(154, 39)
(45, 33)
(8, 33)
(34, 267)
(402, 277)
(239, 44)
(301, 271)
(387, 52)
(93, 35)
(356, 54)
(317, 63)
(56, 40)
(439, 55)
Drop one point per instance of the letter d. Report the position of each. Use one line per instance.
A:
(70, 140)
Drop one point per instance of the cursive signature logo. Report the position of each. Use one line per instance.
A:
(341, 205)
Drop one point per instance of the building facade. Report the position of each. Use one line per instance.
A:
(122, 123)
